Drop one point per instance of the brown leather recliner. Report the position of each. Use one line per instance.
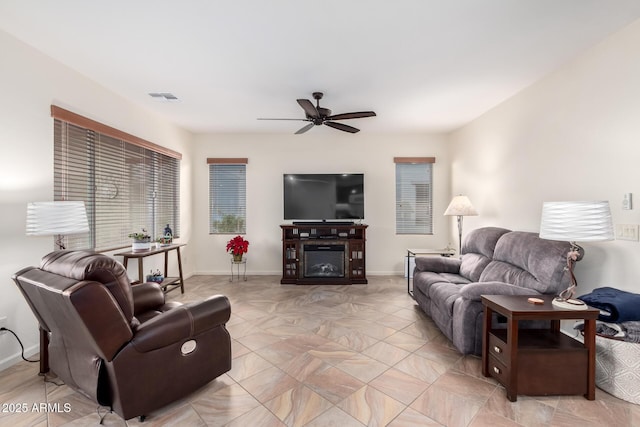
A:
(123, 346)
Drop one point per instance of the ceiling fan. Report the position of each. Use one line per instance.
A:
(317, 116)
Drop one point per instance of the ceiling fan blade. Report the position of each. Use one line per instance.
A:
(342, 127)
(297, 120)
(356, 115)
(308, 108)
(305, 128)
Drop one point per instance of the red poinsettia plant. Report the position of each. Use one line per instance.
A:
(238, 246)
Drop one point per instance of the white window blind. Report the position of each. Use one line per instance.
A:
(227, 196)
(126, 187)
(414, 195)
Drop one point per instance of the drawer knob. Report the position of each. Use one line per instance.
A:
(497, 349)
(496, 369)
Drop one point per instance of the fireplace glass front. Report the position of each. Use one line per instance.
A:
(324, 261)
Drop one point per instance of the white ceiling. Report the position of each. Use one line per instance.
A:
(421, 65)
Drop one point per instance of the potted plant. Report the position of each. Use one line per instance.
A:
(237, 247)
(141, 241)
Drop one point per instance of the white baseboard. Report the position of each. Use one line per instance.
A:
(228, 273)
(279, 273)
(29, 352)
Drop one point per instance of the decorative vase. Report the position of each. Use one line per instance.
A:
(237, 257)
(140, 245)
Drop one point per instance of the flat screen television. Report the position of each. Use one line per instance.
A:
(324, 197)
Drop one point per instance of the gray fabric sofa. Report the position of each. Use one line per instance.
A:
(495, 261)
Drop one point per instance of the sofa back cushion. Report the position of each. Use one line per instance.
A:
(524, 259)
(477, 251)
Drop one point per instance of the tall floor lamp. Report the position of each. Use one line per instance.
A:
(59, 218)
(460, 206)
(575, 222)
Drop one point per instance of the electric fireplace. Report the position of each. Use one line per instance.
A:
(324, 260)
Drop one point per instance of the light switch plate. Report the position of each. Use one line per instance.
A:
(627, 232)
(627, 202)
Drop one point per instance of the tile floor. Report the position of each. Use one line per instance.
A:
(318, 356)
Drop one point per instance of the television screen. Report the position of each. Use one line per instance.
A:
(324, 196)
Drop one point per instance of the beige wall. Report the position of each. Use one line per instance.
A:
(574, 135)
(30, 82)
(321, 150)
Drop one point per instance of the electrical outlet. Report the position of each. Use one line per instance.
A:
(3, 321)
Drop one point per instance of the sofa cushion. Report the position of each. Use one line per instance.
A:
(474, 291)
(473, 265)
(524, 259)
(454, 278)
(443, 295)
(426, 279)
(477, 250)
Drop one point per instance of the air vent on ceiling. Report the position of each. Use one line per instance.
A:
(163, 96)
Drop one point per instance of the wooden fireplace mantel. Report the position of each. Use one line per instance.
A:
(333, 236)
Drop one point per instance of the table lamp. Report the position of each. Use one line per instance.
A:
(57, 218)
(460, 206)
(575, 222)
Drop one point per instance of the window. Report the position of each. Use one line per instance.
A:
(127, 183)
(414, 194)
(227, 196)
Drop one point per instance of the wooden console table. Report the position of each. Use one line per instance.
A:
(538, 361)
(169, 283)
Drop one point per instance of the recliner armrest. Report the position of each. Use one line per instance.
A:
(215, 310)
(182, 323)
(438, 264)
(474, 291)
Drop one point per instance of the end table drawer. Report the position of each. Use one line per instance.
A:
(498, 371)
(498, 349)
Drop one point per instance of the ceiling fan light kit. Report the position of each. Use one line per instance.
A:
(316, 116)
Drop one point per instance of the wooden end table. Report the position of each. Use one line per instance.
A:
(169, 283)
(538, 361)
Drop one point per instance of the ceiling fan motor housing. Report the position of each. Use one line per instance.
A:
(324, 112)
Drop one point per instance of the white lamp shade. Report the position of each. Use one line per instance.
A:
(461, 206)
(576, 221)
(51, 218)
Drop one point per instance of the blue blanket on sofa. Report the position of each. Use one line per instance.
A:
(621, 306)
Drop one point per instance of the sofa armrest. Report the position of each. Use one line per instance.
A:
(182, 323)
(146, 296)
(437, 264)
(474, 291)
